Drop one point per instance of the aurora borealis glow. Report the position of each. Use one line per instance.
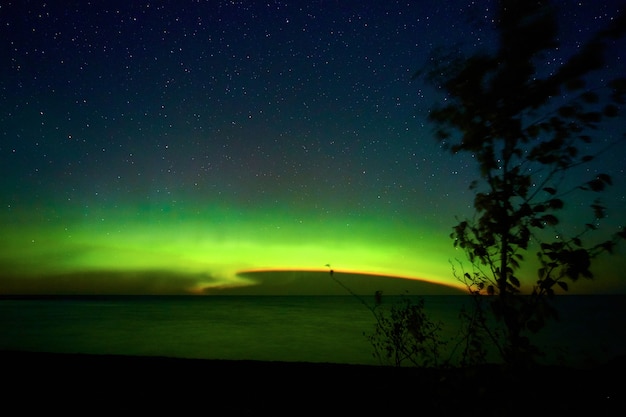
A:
(209, 249)
(165, 147)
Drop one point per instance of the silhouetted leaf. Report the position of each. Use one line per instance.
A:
(607, 246)
(534, 326)
(577, 262)
(550, 219)
(537, 223)
(533, 130)
(599, 211)
(596, 185)
(589, 97)
(567, 111)
(572, 151)
(555, 203)
(606, 178)
(514, 281)
(589, 118)
(546, 283)
(575, 84)
(550, 190)
(619, 89)
(610, 110)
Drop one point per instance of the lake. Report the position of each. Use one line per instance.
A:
(272, 328)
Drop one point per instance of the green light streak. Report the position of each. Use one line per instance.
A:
(216, 244)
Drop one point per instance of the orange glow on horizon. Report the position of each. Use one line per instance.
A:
(329, 269)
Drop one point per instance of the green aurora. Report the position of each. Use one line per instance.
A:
(217, 252)
(137, 252)
(215, 147)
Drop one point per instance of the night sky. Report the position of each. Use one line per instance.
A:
(170, 146)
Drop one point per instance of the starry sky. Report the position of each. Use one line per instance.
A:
(193, 146)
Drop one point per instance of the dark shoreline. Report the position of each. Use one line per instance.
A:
(71, 382)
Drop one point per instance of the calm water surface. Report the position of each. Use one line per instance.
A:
(286, 328)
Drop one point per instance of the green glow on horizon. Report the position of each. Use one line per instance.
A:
(212, 246)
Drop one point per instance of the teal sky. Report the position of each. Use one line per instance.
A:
(175, 147)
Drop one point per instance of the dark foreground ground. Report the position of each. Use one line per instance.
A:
(123, 385)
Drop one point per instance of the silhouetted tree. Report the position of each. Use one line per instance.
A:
(526, 130)
(405, 333)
